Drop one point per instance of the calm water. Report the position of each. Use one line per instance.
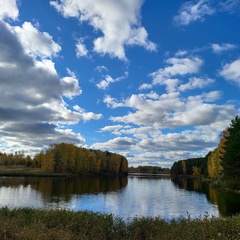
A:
(125, 197)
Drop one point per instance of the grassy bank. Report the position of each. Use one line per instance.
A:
(21, 170)
(24, 171)
(35, 224)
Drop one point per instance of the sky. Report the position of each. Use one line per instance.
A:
(156, 81)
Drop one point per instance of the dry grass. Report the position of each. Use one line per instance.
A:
(29, 224)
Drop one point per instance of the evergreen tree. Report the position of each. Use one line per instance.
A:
(231, 154)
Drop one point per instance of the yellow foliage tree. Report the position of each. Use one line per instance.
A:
(214, 161)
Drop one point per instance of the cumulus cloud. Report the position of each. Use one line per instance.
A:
(8, 9)
(36, 43)
(193, 11)
(231, 71)
(32, 109)
(175, 67)
(108, 17)
(171, 110)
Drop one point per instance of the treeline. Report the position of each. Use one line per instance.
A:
(64, 157)
(18, 158)
(192, 166)
(223, 163)
(149, 169)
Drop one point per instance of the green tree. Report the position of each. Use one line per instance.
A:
(231, 154)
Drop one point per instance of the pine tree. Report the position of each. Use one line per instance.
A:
(231, 154)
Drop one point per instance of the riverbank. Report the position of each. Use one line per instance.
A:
(27, 223)
(24, 171)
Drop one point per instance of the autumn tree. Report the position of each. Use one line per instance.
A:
(214, 160)
(65, 157)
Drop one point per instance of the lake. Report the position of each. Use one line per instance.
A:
(125, 197)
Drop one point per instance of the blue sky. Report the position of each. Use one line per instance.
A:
(156, 81)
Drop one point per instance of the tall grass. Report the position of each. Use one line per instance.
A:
(28, 223)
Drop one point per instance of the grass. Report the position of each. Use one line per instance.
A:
(18, 169)
(22, 170)
(28, 223)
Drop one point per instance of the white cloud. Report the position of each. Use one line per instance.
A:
(232, 71)
(182, 66)
(114, 129)
(119, 143)
(193, 11)
(70, 87)
(108, 17)
(8, 9)
(145, 86)
(36, 43)
(212, 96)
(177, 67)
(141, 132)
(103, 84)
(219, 48)
(86, 116)
(195, 82)
(112, 102)
(81, 50)
(171, 110)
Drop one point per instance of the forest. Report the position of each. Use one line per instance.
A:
(149, 170)
(64, 157)
(223, 163)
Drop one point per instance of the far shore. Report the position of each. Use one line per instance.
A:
(24, 171)
(149, 174)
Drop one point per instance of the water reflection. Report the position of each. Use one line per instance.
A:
(228, 203)
(125, 197)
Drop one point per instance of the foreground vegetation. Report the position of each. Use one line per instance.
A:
(27, 223)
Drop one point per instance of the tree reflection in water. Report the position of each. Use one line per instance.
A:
(228, 202)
